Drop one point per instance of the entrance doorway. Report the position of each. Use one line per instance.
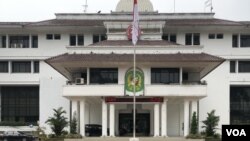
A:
(126, 124)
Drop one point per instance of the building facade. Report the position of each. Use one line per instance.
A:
(185, 63)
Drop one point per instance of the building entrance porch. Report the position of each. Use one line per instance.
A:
(157, 116)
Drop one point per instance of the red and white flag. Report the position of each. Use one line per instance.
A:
(135, 24)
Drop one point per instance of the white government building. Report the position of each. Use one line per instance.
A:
(186, 62)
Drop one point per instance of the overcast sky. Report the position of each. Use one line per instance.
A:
(37, 10)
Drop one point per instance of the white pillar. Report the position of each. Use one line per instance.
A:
(194, 105)
(181, 75)
(82, 117)
(164, 118)
(186, 118)
(104, 118)
(112, 120)
(156, 119)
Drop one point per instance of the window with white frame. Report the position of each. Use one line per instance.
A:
(76, 40)
(169, 37)
(241, 40)
(192, 39)
(99, 37)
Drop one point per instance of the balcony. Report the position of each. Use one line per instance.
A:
(187, 90)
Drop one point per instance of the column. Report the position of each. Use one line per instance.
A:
(181, 74)
(164, 118)
(194, 105)
(156, 119)
(104, 118)
(186, 118)
(112, 120)
(82, 117)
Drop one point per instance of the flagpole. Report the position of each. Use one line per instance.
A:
(134, 101)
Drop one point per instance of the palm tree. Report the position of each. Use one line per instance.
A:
(58, 122)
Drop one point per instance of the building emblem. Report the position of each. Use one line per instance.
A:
(139, 82)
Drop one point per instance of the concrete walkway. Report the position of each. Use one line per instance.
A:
(140, 139)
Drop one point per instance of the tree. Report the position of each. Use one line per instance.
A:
(73, 125)
(211, 123)
(58, 122)
(194, 124)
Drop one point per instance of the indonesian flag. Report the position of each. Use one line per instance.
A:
(135, 24)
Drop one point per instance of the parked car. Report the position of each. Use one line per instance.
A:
(93, 130)
(15, 135)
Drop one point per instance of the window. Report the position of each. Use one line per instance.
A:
(165, 75)
(20, 41)
(57, 37)
(36, 67)
(49, 36)
(235, 41)
(2, 41)
(103, 75)
(34, 41)
(97, 38)
(20, 104)
(169, 37)
(192, 39)
(245, 40)
(232, 66)
(239, 40)
(76, 40)
(239, 105)
(220, 36)
(211, 36)
(4, 66)
(189, 39)
(21, 67)
(244, 66)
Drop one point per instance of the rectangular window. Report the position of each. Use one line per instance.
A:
(21, 67)
(211, 36)
(173, 38)
(245, 40)
(235, 41)
(20, 104)
(165, 37)
(49, 36)
(80, 40)
(103, 76)
(244, 66)
(220, 36)
(165, 75)
(34, 41)
(57, 36)
(232, 66)
(20, 41)
(188, 39)
(196, 39)
(239, 105)
(72, 40)
(36, 67)
(2, 41)
(4, 66)
(96, 38)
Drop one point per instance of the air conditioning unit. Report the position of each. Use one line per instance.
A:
(79, 81)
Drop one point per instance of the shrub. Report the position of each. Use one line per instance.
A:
(194, 124)
(210, 124)
(73, 125)
(58, 122)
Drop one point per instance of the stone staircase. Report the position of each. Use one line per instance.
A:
(140, 139)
